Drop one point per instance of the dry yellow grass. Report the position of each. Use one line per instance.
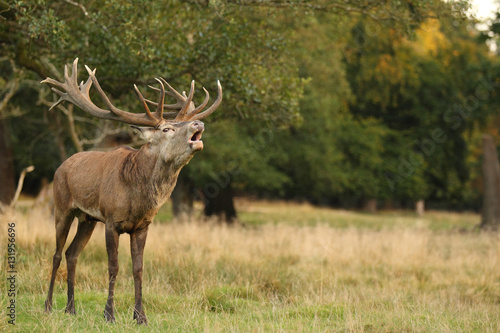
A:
(283, 276)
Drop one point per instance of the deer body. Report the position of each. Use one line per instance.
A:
(123, 188)
(81, 185)
(88, 192)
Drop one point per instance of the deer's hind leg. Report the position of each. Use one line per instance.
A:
(112, 239)
(84, 232)
(63, 224)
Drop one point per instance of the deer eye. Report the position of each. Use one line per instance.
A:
(168, 129)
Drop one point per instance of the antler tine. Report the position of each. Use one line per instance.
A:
(175, 106)
(199, 107)
(161, 101)
(85, 87)
(59, 101)
(143, 102)
(165, 115)
(74, 72)
(174, 93)
(212, 108)
(99, 89)
(187, 104)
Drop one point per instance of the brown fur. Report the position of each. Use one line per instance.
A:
(124, 189)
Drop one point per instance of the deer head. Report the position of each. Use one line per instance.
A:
(173, 141)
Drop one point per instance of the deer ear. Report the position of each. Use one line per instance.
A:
(146, 133)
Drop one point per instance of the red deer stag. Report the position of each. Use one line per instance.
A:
(123, 188)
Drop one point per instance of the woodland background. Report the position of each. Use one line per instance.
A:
(352, 104)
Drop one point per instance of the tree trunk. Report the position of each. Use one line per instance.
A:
(220, 203)
(182, 198)
(491, 180)
(59, 137)
(420, 207)
(370, 206)
(7, 173)
(388, 204)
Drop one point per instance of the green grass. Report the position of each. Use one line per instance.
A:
(307, 215)
(288, 268)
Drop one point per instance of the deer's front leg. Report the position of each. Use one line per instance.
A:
(137, 242)
(112, 237)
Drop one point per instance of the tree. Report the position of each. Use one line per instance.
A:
(434, 90)
(491, 179)
(7, 176)
(197, 42)
(385, 113)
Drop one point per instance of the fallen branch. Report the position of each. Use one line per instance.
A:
(20, 185)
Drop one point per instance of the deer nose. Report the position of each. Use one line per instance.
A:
(198, 125)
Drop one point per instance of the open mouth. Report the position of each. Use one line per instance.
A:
(196, 136)
(195, 142)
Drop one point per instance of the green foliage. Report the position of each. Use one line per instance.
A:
(241, 154)
(330, 101)
(433, 92)
(179, 41)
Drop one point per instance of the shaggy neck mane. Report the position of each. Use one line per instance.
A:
(150, 174)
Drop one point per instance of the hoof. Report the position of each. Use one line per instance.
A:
(71, 311)
(110, 317)
(48, 306)
(141, 317)
(142, 321)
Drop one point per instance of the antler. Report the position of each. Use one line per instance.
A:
(70, 91)
(185, 105)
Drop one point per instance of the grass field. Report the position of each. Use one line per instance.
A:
(289, 268)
